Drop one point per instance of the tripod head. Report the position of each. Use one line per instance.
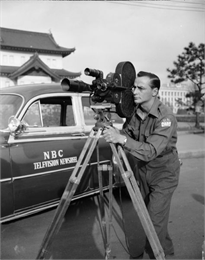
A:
(102, 115)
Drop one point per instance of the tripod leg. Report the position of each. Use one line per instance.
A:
(106, 226)
(138, 201)
(108, 247)
(101, 199)
(69, 191)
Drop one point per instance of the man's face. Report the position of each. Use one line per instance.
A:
(142, 91)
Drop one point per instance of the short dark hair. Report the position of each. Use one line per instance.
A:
(154, 79)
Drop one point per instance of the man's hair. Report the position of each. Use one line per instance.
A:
(154, 79)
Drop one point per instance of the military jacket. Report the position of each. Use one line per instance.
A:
(153, 136)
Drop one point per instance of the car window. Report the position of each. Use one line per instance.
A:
(33, 117)
(69, 115)
(89, 113)
(9, 106)
(50, 112)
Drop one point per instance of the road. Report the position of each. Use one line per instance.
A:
(80, 235)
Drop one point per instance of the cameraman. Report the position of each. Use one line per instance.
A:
(150, 137)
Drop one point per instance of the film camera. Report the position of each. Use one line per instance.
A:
(116, 88)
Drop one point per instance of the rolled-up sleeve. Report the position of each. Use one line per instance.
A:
(155, 143)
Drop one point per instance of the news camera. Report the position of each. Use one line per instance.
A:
(116, 88)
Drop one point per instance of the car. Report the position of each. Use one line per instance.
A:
(43, 130)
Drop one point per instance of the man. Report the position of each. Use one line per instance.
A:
(150, 136)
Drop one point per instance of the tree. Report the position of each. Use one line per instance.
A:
(180, 103)
(190, 66)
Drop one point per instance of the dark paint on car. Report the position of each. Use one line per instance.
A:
(37, 163)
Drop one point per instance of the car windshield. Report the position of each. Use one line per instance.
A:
(9, 106)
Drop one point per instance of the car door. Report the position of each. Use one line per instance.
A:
(7, 196)
(9, 105)
(45, 155)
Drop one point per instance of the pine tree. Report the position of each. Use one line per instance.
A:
(190, 66)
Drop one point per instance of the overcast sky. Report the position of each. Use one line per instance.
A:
(150, 34)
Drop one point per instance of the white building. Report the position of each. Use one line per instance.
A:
(168, 94)
(31, 57)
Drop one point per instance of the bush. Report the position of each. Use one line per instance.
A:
(181, 111)
(189, 118)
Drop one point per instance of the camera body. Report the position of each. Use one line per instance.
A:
(116, 88)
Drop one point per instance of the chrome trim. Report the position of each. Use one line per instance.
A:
(40, 111)
(39, 174)
(20, 214)
(5, 180)
(75, 104)
(12, 140)
(58, 170)
(5, 130)
(45, 96)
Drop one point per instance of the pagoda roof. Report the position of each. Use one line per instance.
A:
(36, 63)
(27, 41)
(65, 73)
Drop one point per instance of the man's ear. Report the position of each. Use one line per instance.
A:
(155, 92)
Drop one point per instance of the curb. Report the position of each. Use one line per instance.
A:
(182, 132)
(190, 131)
(191, 154)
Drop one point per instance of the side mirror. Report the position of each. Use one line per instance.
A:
(15, 126)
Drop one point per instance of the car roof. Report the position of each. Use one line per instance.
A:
(30, 91)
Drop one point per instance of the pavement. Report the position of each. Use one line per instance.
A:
(191, 142)
(186, 222)
(22, 239)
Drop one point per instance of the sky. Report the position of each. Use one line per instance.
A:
(149, 34)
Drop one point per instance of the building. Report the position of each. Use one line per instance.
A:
(169, 93)
(31, 57)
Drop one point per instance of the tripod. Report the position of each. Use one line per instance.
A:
(129, 180)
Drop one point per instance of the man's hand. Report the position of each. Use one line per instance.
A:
(112, 135)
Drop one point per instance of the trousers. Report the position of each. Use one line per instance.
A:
(158, 180)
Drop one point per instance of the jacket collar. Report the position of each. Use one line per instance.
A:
(154, 109)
